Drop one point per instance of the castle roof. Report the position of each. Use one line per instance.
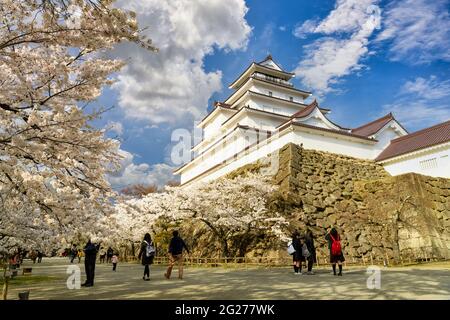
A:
(421, 139)
(373, 127)
(267, 66)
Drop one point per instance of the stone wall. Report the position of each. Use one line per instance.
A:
(378, 215)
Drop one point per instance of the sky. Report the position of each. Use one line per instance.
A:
(360, 58)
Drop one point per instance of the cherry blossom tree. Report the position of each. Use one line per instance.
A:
(235, 208)
(53, 63)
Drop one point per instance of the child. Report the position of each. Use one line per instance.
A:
(114, 261)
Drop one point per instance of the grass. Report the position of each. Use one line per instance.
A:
(28, 279)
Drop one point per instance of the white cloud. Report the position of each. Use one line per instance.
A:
(172, 85)
(328, 59)
(419, 30)
(116, 127)
(307, 27)
(347, 16)
(131, 173)
(430, 88)
(422, 102)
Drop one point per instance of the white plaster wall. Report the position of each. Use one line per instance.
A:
(264, 88)
(314, 141)
(411, 163)
(237, 141)
(271, 106)
(313, 121)
(212, 128)
(384, 137)
(263, 122)
(310, 141)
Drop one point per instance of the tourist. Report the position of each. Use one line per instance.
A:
(73, 253)
(146, 254)
(336, 254)
(309, 242)
(109, 254)
(90, 255)
(102, 255)
(114, 260)
(39, 256)
(297, 256)
(176, 255)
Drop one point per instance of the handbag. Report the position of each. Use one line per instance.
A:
(290, 248)
(305, 251)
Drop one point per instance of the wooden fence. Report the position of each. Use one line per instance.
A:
(407, 257)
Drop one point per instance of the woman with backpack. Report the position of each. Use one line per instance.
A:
(311, 251)
(297, 256)
(336, 255)
(146, 254)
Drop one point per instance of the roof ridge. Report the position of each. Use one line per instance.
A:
(389, 115)
(436, 126)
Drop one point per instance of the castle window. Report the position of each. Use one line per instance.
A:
(291, 98)
(270, 93)
(428, 164)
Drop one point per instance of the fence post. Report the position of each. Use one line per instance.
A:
(371, 258)
(364, 260)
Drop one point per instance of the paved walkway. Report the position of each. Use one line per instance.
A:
(417, 282)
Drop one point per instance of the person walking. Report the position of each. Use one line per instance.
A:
(146, 254)
(109, 254)
(176, 247)
(114, 260)
(297, 256)
(311, 255)
(39, 256)
(73, 253)
(102, 255)
(90, 256)
(336, 254)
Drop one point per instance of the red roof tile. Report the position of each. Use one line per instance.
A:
(373, 127)
(417, 140)
(306, 111)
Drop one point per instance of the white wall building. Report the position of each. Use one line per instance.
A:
(264, 113)
(426, 152)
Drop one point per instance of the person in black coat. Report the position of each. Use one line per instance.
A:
(309, 242)
(333, 236)
(297, 257)
(146, 254)
(109, 254)
(176, 247)
(90, 255)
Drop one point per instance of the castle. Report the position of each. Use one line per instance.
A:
(266, 112)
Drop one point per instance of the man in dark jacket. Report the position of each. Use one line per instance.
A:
(176, 255)
(90, 255)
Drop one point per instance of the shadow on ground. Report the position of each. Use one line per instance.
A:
(252, 283)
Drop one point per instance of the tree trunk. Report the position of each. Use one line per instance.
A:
(224, 246)
(5, 285)
(396, 244)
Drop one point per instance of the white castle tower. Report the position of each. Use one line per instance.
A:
(266, 112)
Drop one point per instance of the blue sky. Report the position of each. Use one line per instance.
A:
(360, 58)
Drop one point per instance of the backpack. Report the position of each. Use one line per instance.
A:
(336, 249)
(305, 251)
(149, 250)
(290, 248)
